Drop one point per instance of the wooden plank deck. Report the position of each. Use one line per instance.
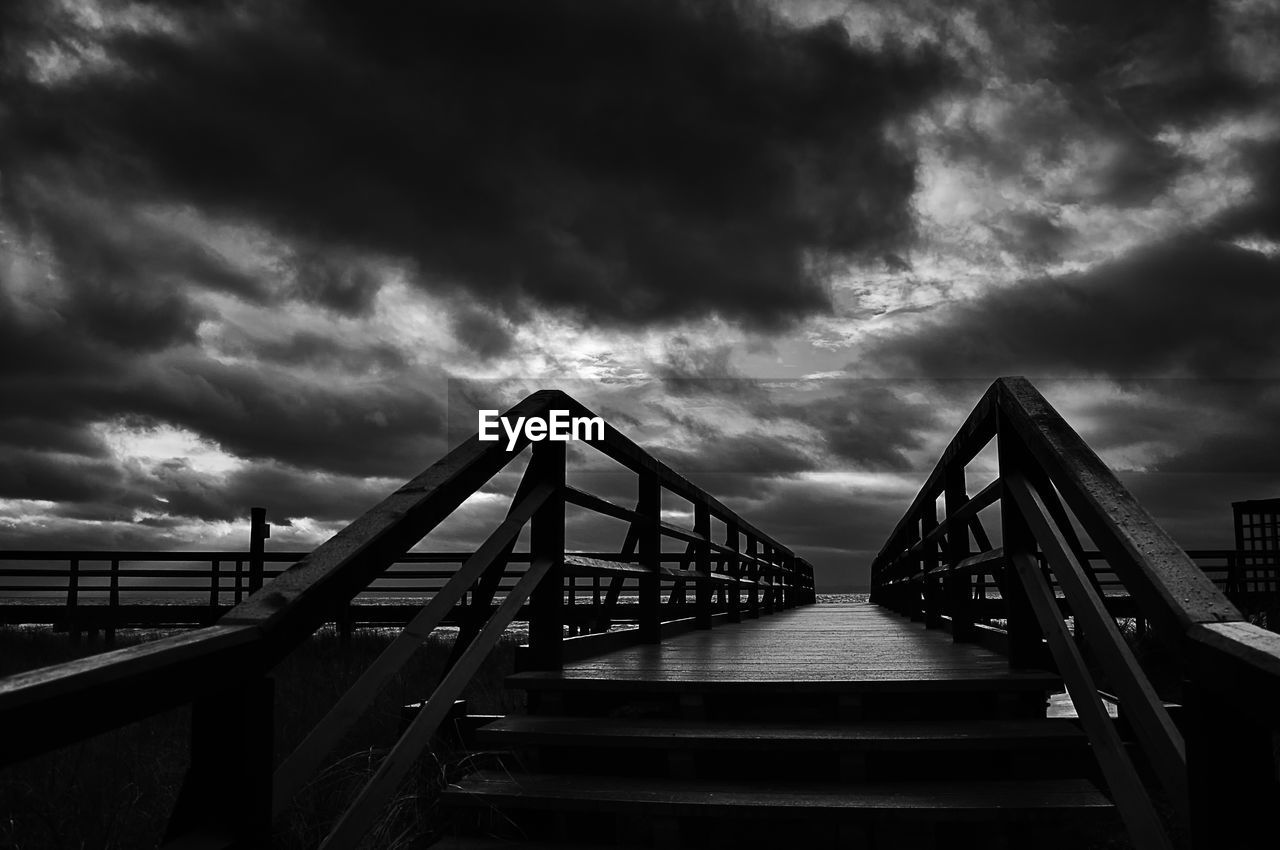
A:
(823, 725)
(846, 648)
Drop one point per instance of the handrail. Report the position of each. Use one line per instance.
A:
(1048, 476)
(222, 669)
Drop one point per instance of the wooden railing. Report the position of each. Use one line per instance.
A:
(1209, 779)
(232, 790)
(105, 590)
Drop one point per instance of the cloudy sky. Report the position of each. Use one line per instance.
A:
(278, 253)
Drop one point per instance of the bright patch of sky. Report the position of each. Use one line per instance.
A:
(154, 445)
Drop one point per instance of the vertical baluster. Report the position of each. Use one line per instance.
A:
(259, 531)
(596, 607)
(546, 540)
(571, 599)
(113, 601)
(735, 572)
(753, 573)
(650, 549)
(215, 580)
(1025, 645)
(914, 565)
(702, 586)
(766, 577)
(957, 587)
(928, 563)
(73, 600)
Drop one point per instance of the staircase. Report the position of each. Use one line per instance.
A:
(895, 752)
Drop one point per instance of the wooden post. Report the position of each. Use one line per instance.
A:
(915, 563)
(702, 563)
(113, 601)
(766, 555)
(215, 580)
(930, 590)
(650, 551)
(957, 587)
(735, 572)
(345, 622)
(73, 598)
(571, 600)
(546, 540)
(259, 531)
(1026, 648)
(226, 795)
(753, 573)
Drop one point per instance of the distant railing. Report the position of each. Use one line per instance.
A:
(1213, 774)
(68, 590)
(232, 790)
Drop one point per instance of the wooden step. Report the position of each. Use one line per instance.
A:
(658, 733)
(741, 680)
(948, 801)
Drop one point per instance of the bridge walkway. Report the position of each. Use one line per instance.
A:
(824, 725)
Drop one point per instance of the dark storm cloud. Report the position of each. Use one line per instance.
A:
(1173, 375)
(838, 529)
(321, 351)
(380, 429)
(68, 382)
(1159, 61)
(1044, 125)
(759, 454)
(1077, 104)
(1260, 214)
(1245, 442)
(103, 249)
(868, 425)
(482, 332)
(18, 430)
(105, 489)
(286, 493)
(1195, 508)
(339, 283)
(1191, 307)
(1036, 236)
(36, 475)
(628, 161)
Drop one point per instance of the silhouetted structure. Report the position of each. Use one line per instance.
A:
(1257, 551)
(918, 720)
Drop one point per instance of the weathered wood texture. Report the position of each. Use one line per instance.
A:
(213, 665)
(820, 647)
(1049, 483)
(684, 742)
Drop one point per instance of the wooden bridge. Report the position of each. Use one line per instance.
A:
(695, 696)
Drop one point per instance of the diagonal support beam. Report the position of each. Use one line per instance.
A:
(1160, 738)
(359, 818)
(306, 759)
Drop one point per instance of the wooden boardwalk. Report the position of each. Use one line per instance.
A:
(803, 725)
(846, 647)
(838, 725)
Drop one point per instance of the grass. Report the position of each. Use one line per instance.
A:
(116, 790)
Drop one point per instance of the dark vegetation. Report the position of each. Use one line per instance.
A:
(116, 790)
